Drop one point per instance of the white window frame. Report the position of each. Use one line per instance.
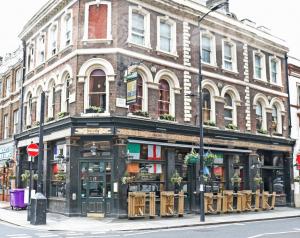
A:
(6, 127)
(173, 43)
(233, 55)
(31, 53)
(53, 29)
(86, 20)
(64, 102)
(233, 108)
(146, 15)
(18, 79)
(279, 118)
(51, 96)
(16, 121)
(8, 87)
(67, 16)
(264, 115)
(278, 66)
(41, 48)
(213, 60)
(263, 66)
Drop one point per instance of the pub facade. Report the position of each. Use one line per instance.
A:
(92, 57)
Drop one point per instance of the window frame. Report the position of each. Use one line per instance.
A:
(213, 60)
(86, 21)
(278, 68)
(146, 15)
(97, 93)
(65, 42)
(263, 65)
(5, 127)
(52, 37)
(41, 47)
(173, 42)
(15, 121)
(233, 55)
(164, 101)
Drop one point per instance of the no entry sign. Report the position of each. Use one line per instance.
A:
(33, 150)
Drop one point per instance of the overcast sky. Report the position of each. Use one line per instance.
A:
(282, 17)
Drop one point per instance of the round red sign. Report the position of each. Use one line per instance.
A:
(33, 150)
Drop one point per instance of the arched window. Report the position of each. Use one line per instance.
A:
(206, 105)
(259, 116)
(97, 89)
(274, 119)
(228, 109)
(138, 106)
(28, 111)
(67, 93)
(164, 97)
(38, 103)
(51, 100)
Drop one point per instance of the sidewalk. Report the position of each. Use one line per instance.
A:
(63, 223)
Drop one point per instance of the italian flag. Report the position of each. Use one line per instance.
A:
(134, 151)
(154, 152)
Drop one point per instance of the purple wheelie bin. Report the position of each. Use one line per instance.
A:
(17, 199)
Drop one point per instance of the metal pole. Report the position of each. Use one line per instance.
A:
(41, 145)
(30, 187)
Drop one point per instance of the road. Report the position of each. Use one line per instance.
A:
(284, 228)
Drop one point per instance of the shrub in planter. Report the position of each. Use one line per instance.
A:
(167, 117)
(236, 179)
(62, 114)
(49, 119)
(209, 123)
(231, 127)
(257, 180)
(36, 123)
(176, 179)
(94, 109)
(140, 113)
(262, 131)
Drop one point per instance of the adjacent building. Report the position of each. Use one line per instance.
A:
(11, 67)
(294, 87)
(93, 57)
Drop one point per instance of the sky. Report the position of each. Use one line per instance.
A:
(281, 17)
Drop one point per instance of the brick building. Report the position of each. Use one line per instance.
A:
(294, 92)
(84, 55)
(10, 91)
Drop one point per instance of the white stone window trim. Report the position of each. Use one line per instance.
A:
(263, 100)
(63, 39)
(41, 47)
(173, 47)
(146, 14)
(28, 112)
(6, 127)
(86, 21)
(67, 71)
(278, 65)
(236, 101)
(31, 53)
(84, 76)
(233, 55)
(280, 112)
(213, 55)
(51, 85)
(214, 93)
(263, 66)
(53, 28)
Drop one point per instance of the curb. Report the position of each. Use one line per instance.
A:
(163, 227)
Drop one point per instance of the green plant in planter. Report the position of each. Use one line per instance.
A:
(176, 179)
(62, 114)
(127, 179)
(49, 119)
(167, 117)
(209, 123)
(191, 158)
(257, 180)
(231, 126)
(94, 109)
(209, 158)
(25, 177)
(236, 179)
(141, 113)
(262, 131)
(60, 176)
(36, 123)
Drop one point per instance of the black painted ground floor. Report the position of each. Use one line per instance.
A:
(90, 165)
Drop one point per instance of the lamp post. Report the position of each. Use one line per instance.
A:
(201, 150)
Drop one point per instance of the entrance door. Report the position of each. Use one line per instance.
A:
(93, 187)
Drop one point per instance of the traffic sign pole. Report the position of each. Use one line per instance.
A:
(30, 159)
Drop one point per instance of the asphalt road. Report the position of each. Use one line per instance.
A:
(285, 228)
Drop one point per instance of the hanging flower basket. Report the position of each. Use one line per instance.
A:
(191, 158)
(176, 178)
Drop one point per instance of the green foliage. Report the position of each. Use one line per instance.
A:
(49, 119)
(60, 176)
(209, 123)
(231, 127)
(176, 178)
(62, 114)
(257, 179)
(94, 109)
(262, 131)
(126, 179)
(141, 113)
(193, 157)
(167, 117)
(236, 179)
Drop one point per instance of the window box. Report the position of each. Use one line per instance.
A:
(35, 124)
(94, 110)
(167, 117)
(209, 123)
(62, 114)
(262, 131)
(231, 127)
(140, 113)
(49, 119)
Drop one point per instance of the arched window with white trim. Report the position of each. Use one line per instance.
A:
(138, 106)
(28, 110)
(38, 103)
(164, 97)
(97, 89)
(259, 116)
(51, 99)
(206, 105)
(228, 110)
(65, 97)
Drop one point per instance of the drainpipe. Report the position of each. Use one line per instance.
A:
(22, 88)
(290, 127)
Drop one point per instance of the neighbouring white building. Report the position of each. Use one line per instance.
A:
(294, 87)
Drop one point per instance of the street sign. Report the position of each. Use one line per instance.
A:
(33, 150)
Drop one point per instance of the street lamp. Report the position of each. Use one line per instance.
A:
(201, 150)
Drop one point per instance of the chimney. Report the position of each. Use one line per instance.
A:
(224, 9)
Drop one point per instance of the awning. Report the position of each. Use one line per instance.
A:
(187, 146)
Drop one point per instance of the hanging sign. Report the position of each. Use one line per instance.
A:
(131, 88)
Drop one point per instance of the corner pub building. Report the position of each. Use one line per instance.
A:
(84, 55)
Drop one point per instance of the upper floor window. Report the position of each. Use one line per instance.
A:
(97, 89)
(18, 78)
(138, 106)
(166, 35)
(97, 20)
(259, 116)
(6, 89)
(275, 71)
(164, 97)
(139, 27)
(67, 34)
(67, 92)
(16, 121)
(53, 40)
(298, 95)
(274, 119)
(208, 48)
(6, 128)
(229, 56)
(259, 66)
(206, 105)
(228, 109)
(30, 57)
(51, 100)
(41, 49)
(1, 94)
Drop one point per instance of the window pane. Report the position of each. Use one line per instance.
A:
(139, 100)
(97, 89)
(228, 56)
(138, 31)
(206, 49)
(228, 100)
(228, 113)
(165, 37)
(258, 109)
(258, 66)
(274, 71)
(164, 97)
